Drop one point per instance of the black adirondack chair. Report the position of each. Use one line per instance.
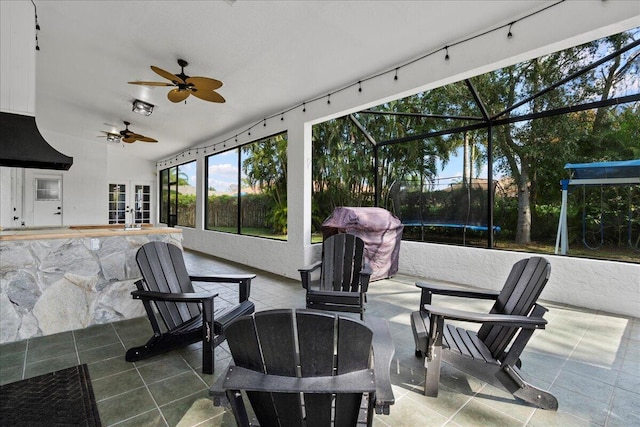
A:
(180, 316)
(344, 276)
(493, 353)
(303, 367)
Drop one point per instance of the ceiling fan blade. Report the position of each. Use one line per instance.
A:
(177, 95)
(210, 96)
(129, 139)
(167, 75)
(145, 139)
(204, 83)
(151, 83)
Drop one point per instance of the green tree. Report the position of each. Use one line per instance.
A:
(265, 165)
(533, 153)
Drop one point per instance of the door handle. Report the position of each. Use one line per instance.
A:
(57, 213)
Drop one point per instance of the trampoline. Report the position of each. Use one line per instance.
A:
(496, 228)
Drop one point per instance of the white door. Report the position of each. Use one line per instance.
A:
(129, 203)
(47, 203)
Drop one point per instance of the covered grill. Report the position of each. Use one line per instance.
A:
(380, 230)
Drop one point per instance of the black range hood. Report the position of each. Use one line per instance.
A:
(22, 145)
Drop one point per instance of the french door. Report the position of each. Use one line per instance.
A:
(130, 203)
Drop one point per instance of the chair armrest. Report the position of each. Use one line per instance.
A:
(311, 267)
(365, 276)
(224, 278)
(515, 321)
(305, 273)
(383, 352)
(457, 291)
(237, 378)
(244, 280)
(197, 297)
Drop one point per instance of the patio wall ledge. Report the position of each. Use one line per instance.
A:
(65, 280)
(607, 286)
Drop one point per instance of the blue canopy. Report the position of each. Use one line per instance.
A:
(605, 170)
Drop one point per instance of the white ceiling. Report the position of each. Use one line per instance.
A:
(271, 55)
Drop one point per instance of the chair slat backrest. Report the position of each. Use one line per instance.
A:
(522, 288)
(342, 260)
(301, 344)
(163, 270)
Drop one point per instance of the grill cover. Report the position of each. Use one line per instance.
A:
(380, 230)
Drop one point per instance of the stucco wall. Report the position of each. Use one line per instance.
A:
(608, 286)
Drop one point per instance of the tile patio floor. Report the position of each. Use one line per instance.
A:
(588, 359)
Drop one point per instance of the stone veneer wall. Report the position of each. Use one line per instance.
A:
(54, 285)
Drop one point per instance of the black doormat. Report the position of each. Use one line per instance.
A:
(61, 398)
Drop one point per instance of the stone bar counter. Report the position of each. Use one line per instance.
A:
(60, 279)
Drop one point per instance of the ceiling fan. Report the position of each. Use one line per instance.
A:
(200, 87)
(127, 136)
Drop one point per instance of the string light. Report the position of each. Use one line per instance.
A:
(35, 14)
(395, 70)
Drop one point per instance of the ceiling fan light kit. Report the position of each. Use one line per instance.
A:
(142, 107)
(113, 137)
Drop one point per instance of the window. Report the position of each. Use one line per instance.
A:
(479, 162)
(247, 189)
(178, 195)
(222, 192)
(47, 189)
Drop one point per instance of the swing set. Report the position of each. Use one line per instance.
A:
(618, 173)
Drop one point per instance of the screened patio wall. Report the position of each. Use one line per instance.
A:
(573, 281)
